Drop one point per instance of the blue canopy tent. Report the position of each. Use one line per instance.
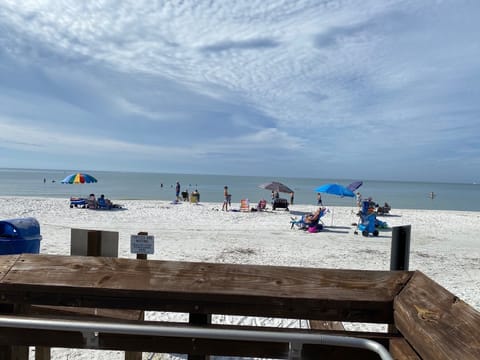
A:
(335, 189)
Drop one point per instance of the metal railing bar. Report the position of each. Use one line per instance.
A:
(88, 327)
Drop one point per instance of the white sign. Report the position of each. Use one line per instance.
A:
(141, 244)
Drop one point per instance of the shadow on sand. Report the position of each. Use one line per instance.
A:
(336, 229)
(299, 213)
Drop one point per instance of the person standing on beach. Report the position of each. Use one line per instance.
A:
(291, 197)
(177, 191)
(358, 197)
(227, 198)
(319, 199)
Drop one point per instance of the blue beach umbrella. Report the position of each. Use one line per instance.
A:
(335, 189)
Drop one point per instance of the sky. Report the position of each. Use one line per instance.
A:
(364, 89)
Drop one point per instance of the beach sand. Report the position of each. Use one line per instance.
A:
(445, 245)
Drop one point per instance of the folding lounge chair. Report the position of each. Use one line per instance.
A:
(262, 205)
(92, 202)
(102, 204)
(304, 225)
(76, 202)
(244, 205)
(383, 210)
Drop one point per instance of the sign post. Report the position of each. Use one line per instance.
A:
(142, 244)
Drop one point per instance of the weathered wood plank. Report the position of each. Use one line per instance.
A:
(324, 294)
(326, 325)
(435, 322)
(401, 350)
(80, 312)
(42, 353)
(6, 263)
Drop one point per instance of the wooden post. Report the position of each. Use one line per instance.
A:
(42, 353)
(16, 352)
(132, 355)
(199, 319)
(94, 246)
(135, 355)
(142, 256)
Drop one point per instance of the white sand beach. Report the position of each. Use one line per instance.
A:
(445, 245)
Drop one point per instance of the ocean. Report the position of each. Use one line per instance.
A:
(158, 186)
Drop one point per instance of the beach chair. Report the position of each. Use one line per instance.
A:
(78, 202)
(280, 204)
(92, 202)
(195, 197)
(307, 221)
(244, 205)
(262, 205)
(384, 210)
(104, 203)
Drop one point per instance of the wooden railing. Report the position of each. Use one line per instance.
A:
(421, 313)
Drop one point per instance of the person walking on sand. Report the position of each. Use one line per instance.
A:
(358, 197)
(177, 191)
(319, 199)
(227, 198)
(291, 197)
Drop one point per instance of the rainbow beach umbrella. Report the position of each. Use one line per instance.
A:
(79, 178)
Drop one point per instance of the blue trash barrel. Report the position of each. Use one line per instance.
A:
(18, 236)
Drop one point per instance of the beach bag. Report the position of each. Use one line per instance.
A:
(315, 228)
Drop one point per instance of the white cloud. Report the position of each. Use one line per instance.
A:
(230, 77)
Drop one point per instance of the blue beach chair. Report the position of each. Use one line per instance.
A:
(310, 220)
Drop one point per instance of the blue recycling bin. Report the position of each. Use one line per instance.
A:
(18, 236)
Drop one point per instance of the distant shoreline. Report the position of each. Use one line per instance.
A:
(235, 204)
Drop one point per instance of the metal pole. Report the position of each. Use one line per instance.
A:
(90, 330)
(400, 252)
